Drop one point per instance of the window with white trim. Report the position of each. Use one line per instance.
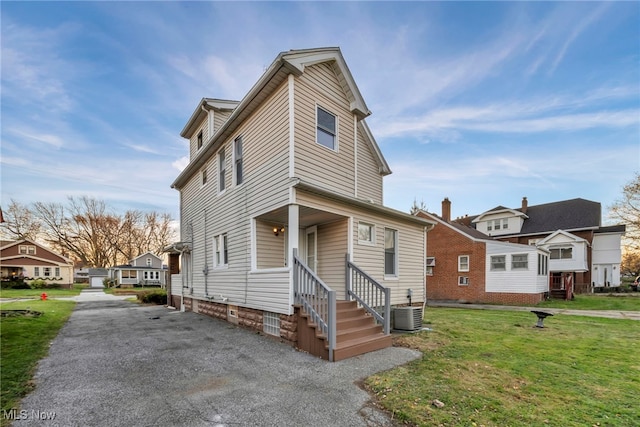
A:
(366, 233)
(561, 253)
(271, 323)
(463, 280)
(326, 129)
(27, 249)
(237, 161)
(519, 262)
(149, 262)
(47, 272)
(57, 271)
(390, 252)
(222, 170)
(498, 262)
(221, 251)
(463, 262)
(36, 271)
(199, 138)
(431, 262)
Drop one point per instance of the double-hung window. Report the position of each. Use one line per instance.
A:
(203, 176)
(199, 140)
(326, 129)
(463, 263)
(47, 272)
(543, 263)
(221, 252)
(222, 170)
(237, 160)
(498, 262)
(519, 262)
(36, 271)
(57, 270)
(390, 252)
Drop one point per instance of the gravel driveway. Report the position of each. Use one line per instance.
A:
(116, 363)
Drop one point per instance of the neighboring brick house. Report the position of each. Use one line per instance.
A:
(583, 253)
(29, 260)
(466, 265)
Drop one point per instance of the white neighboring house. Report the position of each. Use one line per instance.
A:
(144, 270)
(606, 255)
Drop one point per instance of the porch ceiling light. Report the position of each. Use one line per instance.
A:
(277, 231)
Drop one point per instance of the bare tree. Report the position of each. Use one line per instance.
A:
(627, 211)
(20, 223)
(415, 208)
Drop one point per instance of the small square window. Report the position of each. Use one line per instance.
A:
(463, 280)
(498, 263)
(519, 262)
(366, 233)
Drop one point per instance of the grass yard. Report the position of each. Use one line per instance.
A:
(35, 293)
(622, 302)
(493, 368)
(23, 342)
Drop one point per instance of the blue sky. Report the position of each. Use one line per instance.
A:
(482, 102)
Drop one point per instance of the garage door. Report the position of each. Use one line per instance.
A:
(96, 282)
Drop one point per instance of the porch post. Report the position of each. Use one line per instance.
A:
(294, 230)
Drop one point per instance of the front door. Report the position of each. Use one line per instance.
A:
(311, 247)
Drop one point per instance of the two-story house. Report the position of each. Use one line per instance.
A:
(582, 253)
(144, 270)
(281, 209)
(28, 260)
(466, 265)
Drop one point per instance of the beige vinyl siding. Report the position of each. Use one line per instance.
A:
(314, 163)
(219, 117)
(369, 179)
(265, 164)
(332, 247)
(370, 258)
(270, 247)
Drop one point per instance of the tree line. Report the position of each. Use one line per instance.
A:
(87, 231)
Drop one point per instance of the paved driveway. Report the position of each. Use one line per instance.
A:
(116, 363)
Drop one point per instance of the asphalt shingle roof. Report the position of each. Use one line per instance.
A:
(565, 215)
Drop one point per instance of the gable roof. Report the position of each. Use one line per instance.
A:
(205, 105)
(568, 237)
(289, 62)
(571, 214)
(463, 229)
(496, 210)
(51, 255)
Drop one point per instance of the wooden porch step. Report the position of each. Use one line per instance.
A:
(344, 335)
(357, 346)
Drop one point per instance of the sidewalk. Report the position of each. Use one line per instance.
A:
(611, 314)
(84, 296)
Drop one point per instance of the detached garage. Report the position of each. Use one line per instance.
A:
(97, 276)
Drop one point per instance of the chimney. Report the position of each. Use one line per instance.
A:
(446, 209)
(525, 205)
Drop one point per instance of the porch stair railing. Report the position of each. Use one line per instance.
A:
(371, 295)
(316, 299)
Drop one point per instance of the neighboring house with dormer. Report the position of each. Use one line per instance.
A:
(281, 213)
(466, 265)
(28, 260)
(144, 270)
(582, 253)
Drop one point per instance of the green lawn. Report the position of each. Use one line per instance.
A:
(35, 293)
(493, 368)
(626, 302)
(23, 342)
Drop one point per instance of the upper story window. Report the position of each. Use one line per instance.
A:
(27, 249)
(366, 233)
(326, 129)
(498, 262)
(148, 262)
(200, 139)
(519, 262)
(463, 263)
(237, 160)
(222, 170)
(390, 252)
(561, 253)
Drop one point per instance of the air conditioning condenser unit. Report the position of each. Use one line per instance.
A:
(407, 318)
